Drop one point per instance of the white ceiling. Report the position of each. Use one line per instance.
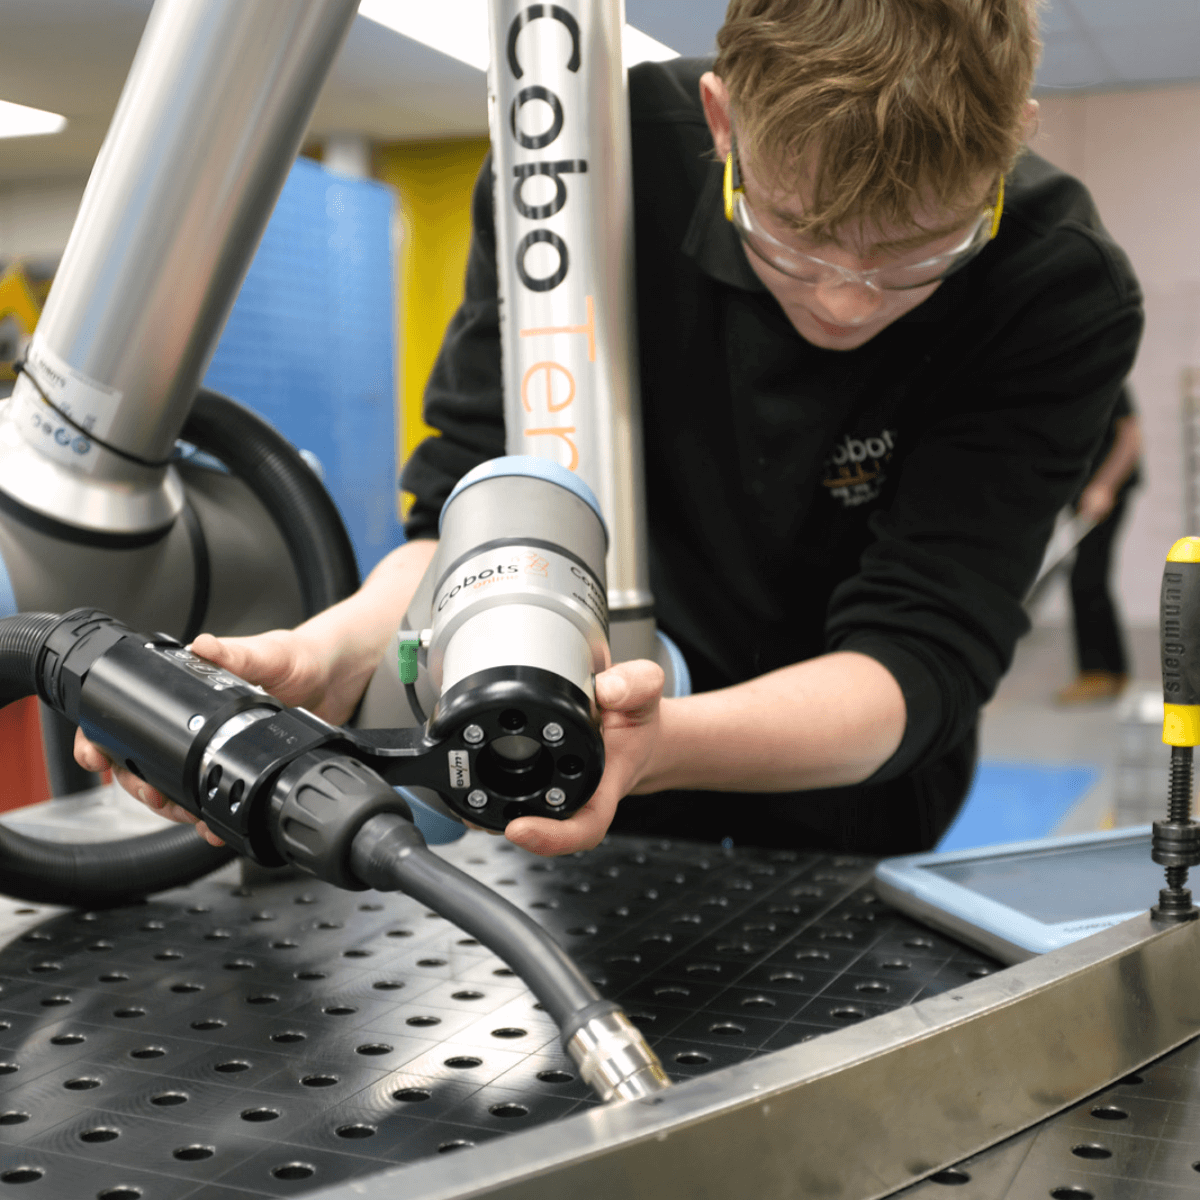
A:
(71, 57)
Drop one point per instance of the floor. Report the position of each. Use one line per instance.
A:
(1119, 739)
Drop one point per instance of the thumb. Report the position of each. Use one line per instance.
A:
(262, 660)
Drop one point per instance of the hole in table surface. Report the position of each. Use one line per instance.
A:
(1091, 1150)
(464, 1061)
(412, 1095)
(355, 1132)
(288, 1036)
(102, 1133)
(22, 1175)
(169, 1099)
(293, 1171)
(951, 1177)
(508, 1110)
(193, 1153)
(457, 1144)
(258, 1115)
(1071, 1193)
(1109, 1112)
(13, 1117)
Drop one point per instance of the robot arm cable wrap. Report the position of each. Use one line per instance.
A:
(94, 873)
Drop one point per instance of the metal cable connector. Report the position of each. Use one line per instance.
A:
(614, 1059)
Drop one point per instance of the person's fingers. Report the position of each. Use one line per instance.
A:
(583, 830)
(266, 660)
(88, 755)
(208, 835)
(630, 686)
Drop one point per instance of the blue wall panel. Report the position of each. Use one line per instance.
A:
(310, 344)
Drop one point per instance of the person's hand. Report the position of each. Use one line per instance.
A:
(628, 695)
(1096, 502)
(295, 667)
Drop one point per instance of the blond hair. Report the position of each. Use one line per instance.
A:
(890, 104)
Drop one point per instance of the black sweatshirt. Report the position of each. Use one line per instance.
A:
(893, 500)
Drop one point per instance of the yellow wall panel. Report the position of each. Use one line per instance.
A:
(433, 181)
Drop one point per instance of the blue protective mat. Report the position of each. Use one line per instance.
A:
(1013, 802)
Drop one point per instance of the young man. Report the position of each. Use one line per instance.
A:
(879, 347)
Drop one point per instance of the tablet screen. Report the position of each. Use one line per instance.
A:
(1069, 883)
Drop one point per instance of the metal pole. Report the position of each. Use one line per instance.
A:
(564, 229)
(210, 120)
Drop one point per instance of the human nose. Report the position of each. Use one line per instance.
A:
(848, 301)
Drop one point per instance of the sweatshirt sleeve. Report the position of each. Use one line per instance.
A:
(1010, 436)
(464, 397)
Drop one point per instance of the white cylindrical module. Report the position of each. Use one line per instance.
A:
(564, 229)
(518, 630)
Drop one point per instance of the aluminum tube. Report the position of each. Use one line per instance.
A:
(564, 227)
(210, 120)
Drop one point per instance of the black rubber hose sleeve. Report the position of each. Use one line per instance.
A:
(97, 874)
(285, 485)
(389, 854)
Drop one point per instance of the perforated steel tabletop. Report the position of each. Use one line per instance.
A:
(226, 1040)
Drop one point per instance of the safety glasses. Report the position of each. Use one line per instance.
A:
(807, 268)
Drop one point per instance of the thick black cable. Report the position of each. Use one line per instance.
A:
(389, 854)
(284, 483)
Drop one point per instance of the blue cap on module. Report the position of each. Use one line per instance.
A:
(531, 468)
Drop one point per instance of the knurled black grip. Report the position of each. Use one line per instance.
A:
(1179, 616)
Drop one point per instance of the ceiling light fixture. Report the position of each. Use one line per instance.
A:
(18, 120)
(459, 29)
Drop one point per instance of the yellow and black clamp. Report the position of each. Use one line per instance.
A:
(1175, 842)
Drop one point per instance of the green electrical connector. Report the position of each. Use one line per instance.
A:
(409, 645)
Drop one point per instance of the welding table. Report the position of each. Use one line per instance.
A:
(267, 1036)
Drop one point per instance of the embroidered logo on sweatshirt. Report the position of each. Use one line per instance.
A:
(854, 470)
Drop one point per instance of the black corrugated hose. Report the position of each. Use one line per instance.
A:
(104, 873)
(95, 873)
(301, 508)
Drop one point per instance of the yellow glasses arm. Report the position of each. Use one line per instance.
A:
(999, 208)
(729, 189)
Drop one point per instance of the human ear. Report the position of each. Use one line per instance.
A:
(714, 95)
(1031, 120)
